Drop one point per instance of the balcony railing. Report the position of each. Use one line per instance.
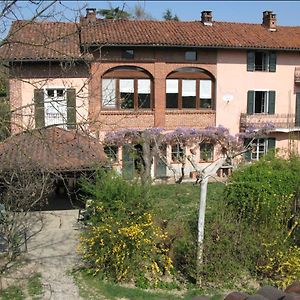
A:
(297, 74)
(282, 121)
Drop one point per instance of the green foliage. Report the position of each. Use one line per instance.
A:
(12, 292)
(265, 197)
(34, 286)
(121, 241)
(280, 263)
(4, 119)
(114, 13)
(168, 16)
(265, 192)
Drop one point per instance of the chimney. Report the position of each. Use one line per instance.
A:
(206, 17)
(269, 20)
(90, 15)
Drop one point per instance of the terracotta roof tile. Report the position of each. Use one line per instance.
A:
(51, 148)
(41, 40)
(174, 33)
(59, 40)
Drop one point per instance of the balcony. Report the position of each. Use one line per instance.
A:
(297, 74)
(281, 122)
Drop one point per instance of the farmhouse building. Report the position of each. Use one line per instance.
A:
(101, 75)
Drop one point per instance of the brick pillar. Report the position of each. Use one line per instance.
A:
(15, 100)
(160, 94)
(96, 71)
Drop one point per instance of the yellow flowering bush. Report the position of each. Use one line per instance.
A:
(281, 266)
(121, 241)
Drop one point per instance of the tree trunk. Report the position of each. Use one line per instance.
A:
(146, 174)
(201, 222)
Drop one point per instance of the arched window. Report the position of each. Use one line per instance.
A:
(127, 88)
(190, 88)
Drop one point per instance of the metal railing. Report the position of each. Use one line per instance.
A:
(286, 121)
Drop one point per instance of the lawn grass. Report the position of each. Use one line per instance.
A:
(34, 286)
(12, 293)
(91, 287)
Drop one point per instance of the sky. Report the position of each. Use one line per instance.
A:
(231, 11)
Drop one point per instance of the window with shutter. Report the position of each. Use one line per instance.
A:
(261, 102)
(260, 147)
(261, 61)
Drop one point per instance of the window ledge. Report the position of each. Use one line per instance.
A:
(127, 112)
(190, 111)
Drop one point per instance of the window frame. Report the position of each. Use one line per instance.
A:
(191, 52)
(114, 150)
(127, 53)
(64, 103)
(263, 142)
(211, 152)
(268, 63)
(124, 74)
(177, 154)
(198, 100)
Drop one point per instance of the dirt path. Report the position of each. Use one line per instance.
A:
(53, 252)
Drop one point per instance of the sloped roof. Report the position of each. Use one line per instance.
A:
(175, 33)
(61, 40)
(52, 149)
(41, 40)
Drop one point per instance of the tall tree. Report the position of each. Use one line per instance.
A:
(114, 13)
(168, 16)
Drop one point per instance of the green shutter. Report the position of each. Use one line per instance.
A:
(271, 108)
(272, 62)
(39, 112)
(250, 61)
(247, 155)
(250, 102)
(271, 145)
(297, 119)
(71, 108)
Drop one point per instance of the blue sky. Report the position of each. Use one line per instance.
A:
(236, 11)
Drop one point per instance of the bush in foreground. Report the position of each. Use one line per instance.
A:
(121, 242)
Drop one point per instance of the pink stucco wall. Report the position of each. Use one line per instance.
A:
(234, 79)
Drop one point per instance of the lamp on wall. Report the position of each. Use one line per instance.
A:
(227, 98)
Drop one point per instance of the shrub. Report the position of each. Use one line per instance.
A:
(121, 241)
(264, 193)
(280, 263)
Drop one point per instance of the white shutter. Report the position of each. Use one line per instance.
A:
(188, 88)
(205, 89)
(126, 86)
(109, 92)
(144, 86)
(172, 86)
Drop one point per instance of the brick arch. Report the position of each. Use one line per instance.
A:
(130, 70)
(191, 72)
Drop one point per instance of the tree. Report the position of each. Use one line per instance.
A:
(139, 13)
(114, 13)
(152, 141)
(168, 16)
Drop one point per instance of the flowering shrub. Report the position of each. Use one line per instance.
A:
(281, 266)
(121, 242)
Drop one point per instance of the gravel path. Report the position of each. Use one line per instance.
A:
(53, 252)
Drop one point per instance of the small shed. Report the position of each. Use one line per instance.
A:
(64, 153)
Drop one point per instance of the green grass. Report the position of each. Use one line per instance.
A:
(12, 293)
(179, 201)
(91, 287)
(34, 286)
